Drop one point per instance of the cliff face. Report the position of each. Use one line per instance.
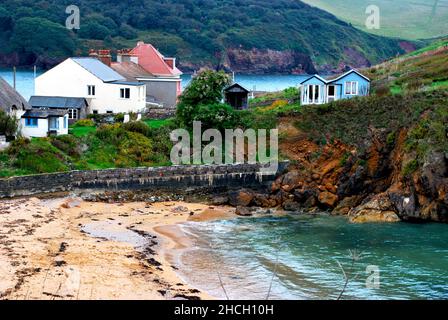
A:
(368, 187)
(268, 61)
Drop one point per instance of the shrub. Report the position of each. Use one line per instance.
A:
(217, 116)
(84, 123)
(382, 91)
(136, 126)
(8, 124)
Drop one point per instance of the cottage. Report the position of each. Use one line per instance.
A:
(237, 96)
(317, 90)
(38, 123)
(92, 79)
(77, 108)
(147, 65)
(11, 102)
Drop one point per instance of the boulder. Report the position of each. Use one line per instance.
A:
(346, 204)
(378, 209)
(328, 199)
(243, 212)
(291, 180)
(241, 198)
(219, 200)
(291, 205)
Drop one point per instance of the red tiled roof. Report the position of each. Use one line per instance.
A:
(153, 61)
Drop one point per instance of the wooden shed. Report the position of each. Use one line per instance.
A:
(237, 96)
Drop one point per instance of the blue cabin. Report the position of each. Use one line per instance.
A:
(317, 90)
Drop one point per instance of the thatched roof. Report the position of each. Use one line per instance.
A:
(9, 97)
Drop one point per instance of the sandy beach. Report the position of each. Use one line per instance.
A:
(66, 248)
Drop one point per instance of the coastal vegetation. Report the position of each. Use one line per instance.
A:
(200, 32)
(425, 69)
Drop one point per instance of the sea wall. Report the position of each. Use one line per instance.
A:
(173, 179)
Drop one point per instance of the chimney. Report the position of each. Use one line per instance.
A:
(105, 57)
(125, 55)
(171, 62)
(93, 53)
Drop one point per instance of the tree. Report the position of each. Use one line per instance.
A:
(94, 30)
(41, 36)
(205, 89)
(8, 124)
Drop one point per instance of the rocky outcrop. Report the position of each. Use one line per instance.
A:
(262, 61)
(377, 209)
(367, 186)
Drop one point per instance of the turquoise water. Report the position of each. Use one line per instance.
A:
(412, 259)
(268, 83)
(25, 81)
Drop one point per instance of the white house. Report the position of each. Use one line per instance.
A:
(105, 90)
(39, 123)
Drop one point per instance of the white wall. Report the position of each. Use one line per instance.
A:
(41, 130)
(69, 79)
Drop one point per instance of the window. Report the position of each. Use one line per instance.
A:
(313, 93)
(31, 122)
(91, 90)
(95, 111)
(351, 88)
(54, 123)
(125, 93)
(73, 114)
(65, 122)
(109, 112)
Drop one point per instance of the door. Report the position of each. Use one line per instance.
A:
(331, 95)
(54, 123)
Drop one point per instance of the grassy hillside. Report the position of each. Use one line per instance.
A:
(406, 19)
(193, 30)
(423, 70)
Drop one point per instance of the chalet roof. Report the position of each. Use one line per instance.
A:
(57, 102)
(348, 73)
(337, 78)
(315, 76)
(235, 87)
(10, 97)
(153, 61)
(44, 113)
(99, 69)
(131, 70)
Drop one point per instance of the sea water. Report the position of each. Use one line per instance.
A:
(302, 257)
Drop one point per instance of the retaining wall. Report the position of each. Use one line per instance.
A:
(174, 179)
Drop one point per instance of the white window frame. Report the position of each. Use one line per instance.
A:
(123, 92)
(91, 90)
(73, 114)
(349, 86)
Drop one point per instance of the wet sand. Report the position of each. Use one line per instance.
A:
(70, 249)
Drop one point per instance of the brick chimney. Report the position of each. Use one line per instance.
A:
(105, 57)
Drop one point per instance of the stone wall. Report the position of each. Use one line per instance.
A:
(173, 179)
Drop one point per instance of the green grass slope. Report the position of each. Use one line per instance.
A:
(423, 70)
(417, 19)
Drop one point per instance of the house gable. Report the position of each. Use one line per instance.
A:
(315, 79)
